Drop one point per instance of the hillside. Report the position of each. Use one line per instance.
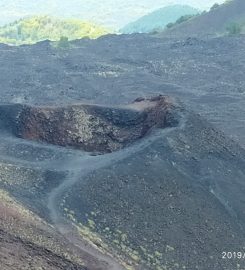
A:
(91, 145)
(158, 19)
(38, 28)
(216, 22)
(113, 14)
(170, 187)
(28, 241)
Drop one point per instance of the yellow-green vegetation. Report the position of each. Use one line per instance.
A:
(38, 28)
(94, 238)
(120, 243)
(85, 230)
(88, 233)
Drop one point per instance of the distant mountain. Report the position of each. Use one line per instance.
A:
(158, 19)
(221, 19)
(37, 28)
(110, 13)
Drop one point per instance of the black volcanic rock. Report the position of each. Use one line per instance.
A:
(172, 198)
(175, 202)
(30, 254)
(207, 75)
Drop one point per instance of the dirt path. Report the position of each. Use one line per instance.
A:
(76, 164)
(80, 166)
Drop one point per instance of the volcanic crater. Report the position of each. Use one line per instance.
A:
(89, 127)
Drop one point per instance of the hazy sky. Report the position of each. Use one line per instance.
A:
(111, 13)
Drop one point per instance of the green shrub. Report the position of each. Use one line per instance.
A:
(181, 20)
(234, 29)
(184, 18)
(63, 42)
(216, 5)
(170, 25)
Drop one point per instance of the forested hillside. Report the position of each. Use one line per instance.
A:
(225, 19)
(37, 28)
(158, 19)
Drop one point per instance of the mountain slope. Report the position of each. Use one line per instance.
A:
(38, 28)
(212, 23)
(151, 199)
(158, 19)
(179, 185)
(110, 13)
(28, 241)
(172, 201)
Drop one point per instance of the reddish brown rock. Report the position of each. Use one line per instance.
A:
(93, 127)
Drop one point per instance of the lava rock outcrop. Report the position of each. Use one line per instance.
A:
(91, 128)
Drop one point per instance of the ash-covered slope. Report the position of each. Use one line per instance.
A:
(172, 199)
(207, 75)
(35, 175)
(29, 172)
(173, 193)
(27, 242)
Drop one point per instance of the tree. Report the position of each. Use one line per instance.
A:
(180, 20)
(170, 25)
(63, 42)
(234, 29)
(216, 5)
(184, 18)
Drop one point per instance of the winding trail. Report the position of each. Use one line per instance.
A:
(77, 164)
(82, 165)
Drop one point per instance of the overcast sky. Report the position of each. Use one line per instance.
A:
(111, 13)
